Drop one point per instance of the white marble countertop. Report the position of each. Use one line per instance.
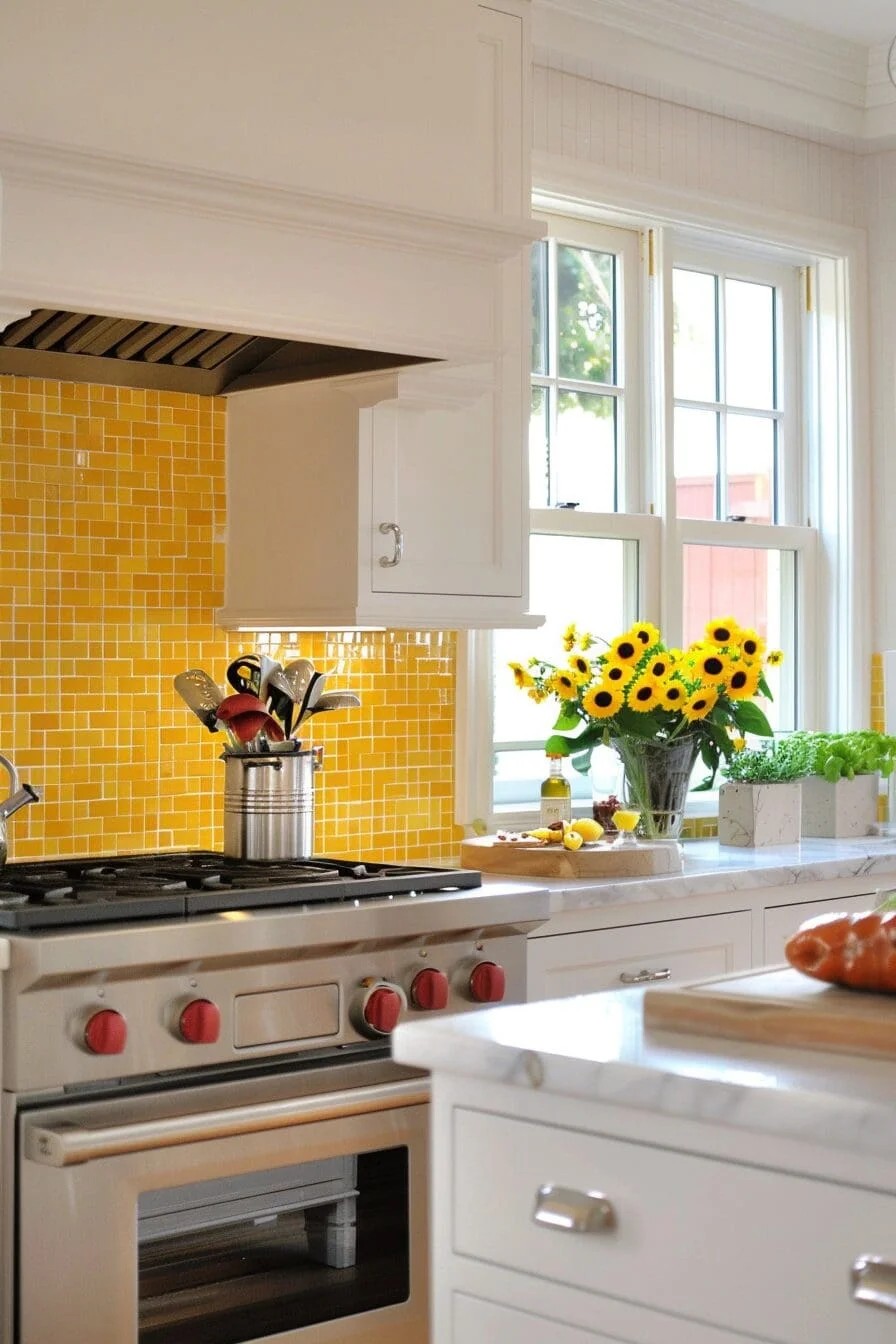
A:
(710, 868)
(595, 1048)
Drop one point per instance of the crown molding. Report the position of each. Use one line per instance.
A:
(725, 58)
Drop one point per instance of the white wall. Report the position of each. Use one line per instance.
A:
(880, 201)
(685, 149)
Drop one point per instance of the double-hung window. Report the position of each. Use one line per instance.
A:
(669, 450)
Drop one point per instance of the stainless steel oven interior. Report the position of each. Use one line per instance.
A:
(288, 1207)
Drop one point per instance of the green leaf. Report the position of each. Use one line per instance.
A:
(750, 719)
(567, 719)
(558, 746)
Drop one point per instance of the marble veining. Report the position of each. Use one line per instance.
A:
(594, 1047)
(710, 869)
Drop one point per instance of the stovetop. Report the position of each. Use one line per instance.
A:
(59, 893)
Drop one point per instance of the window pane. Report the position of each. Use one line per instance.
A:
(539, 475)
(750, 455)
(695, 336)
(749, 344)
(539, 307)
(586, 303)
(757, 588)
(580, 579)
(583, 456)
(696, 463)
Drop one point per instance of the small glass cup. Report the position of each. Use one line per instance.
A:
(625, 822)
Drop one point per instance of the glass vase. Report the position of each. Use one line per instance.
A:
(657, 777)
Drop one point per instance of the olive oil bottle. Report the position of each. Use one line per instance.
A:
(556, 794)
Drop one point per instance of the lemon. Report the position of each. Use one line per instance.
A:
(588, 829)
(572, 840)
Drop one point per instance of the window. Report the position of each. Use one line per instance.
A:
(671, 462)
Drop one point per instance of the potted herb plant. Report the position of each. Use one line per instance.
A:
(843, 771)
(759, 802)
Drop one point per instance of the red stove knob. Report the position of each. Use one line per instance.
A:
(487, 982)
(429, 990)
(106, 1033)
(200, 1022)
(382, 1009)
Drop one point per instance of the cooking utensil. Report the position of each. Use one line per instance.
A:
(244, 674)
(252, 724)
(312, 694)
(197, 690)
(280, 698)
(335, 700)
(21, 795)
(243, 703)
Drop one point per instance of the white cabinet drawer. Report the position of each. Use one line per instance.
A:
(783, 920)
(741, 1248)
(668, 950)
(476, 1321)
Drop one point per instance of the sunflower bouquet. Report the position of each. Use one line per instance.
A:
(645, 699)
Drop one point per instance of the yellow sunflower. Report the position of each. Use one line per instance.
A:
(752, 645)
(743, 681)
(700, 704)
(644, 634)
(520, 675)
(625, 649)
(659, 666)
(580, 668)
(563, 684)
(775, 657)
(569, 637)
(618, 674)
(602, 701)
(722, 632)
(538, 694)
(643, 694)
(672, 694)
(712, 666)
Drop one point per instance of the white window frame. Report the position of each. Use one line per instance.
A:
(832, 540)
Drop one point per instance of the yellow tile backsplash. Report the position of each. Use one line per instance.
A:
(112, 516)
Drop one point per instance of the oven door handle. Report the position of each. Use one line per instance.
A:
(66, 1145)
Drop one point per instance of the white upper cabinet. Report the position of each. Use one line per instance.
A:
(399, 499)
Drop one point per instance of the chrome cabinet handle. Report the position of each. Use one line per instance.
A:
(398, 544)
(573, 1210)
(643, 977)
(874, 1282)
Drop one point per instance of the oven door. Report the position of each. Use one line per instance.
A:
(285, 1209)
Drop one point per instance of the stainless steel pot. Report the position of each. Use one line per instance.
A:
(269, 805)
(21, 795)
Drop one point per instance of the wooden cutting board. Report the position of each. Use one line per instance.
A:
(779, 1006)
(519, 859)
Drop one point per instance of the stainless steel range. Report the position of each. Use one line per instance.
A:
(203, 1135)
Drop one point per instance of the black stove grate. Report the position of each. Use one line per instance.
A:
(73, 892)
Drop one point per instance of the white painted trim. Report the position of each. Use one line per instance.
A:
(723, 57)
(110, 177)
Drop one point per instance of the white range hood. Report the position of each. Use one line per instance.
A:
(353, 176)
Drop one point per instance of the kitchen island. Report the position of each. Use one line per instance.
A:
(594, 1180)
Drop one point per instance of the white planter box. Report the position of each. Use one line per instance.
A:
(759, 814)
(847, 807)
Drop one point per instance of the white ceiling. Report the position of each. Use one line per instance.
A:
(864, 21)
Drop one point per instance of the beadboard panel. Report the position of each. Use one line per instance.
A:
(685, 149)
(880, 198)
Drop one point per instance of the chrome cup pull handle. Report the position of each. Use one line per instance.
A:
(569, 1210)
(644, 977)
(398, 544)
(874, 1282)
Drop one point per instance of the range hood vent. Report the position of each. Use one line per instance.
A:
(128, 352)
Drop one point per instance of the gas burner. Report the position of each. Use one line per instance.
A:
(68, 893)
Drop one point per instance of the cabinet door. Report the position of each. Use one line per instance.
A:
(658, 953)
(476, 1321)
(783, 920)
(447, 472)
